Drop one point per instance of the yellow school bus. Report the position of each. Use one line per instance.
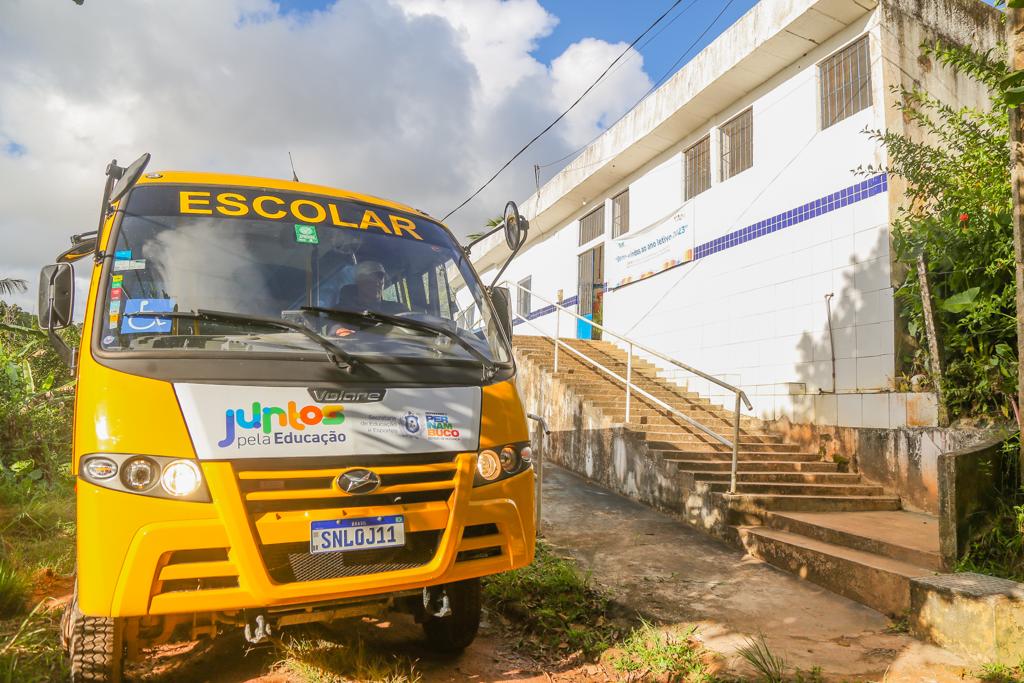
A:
(283, 415)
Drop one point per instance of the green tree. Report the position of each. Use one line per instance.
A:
(958, 215)
(11, 285)
(489, 225)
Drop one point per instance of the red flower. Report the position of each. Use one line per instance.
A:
(964, 217)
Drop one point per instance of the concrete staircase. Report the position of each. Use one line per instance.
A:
(790, 508)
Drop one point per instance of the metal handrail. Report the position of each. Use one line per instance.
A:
(631, 387)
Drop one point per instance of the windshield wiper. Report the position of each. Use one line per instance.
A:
(490, 369)
(341, 359)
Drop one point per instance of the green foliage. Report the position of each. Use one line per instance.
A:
(555, 607)
(651, 653)
(13, 590)
(999, 550)
(1001, 673)
(957, 216)
(770, 666)
(36, 394)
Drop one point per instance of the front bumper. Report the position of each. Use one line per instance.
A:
(212, 557)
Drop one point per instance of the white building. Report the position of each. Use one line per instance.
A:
(735, 184)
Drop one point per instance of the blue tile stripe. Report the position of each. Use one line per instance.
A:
(566, 303)
(818, 207)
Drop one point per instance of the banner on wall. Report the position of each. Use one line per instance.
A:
(658, 247)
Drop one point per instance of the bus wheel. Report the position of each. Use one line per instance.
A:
(454, 632)
(96, 646)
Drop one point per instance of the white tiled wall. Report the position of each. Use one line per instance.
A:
(755, 314)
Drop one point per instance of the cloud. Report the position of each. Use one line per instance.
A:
(415, 100)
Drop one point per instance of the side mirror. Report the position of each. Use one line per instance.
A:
(516, 226)
(501, 300)
(56, 296)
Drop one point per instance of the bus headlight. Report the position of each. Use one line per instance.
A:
(508, 460)
(100, 468)
(140, 474)
(181, 478)
(488, 466)
(157, 476)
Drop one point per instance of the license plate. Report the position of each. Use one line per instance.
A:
(363, 533)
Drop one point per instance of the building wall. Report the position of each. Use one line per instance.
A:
(751, 309)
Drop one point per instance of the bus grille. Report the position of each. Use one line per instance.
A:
(284, 485)
(288, 562)
(303, 484)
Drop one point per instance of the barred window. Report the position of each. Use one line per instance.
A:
(620, 213)
(592, 225)
(737, 138)
(523, 298)
(845, 82)
(697, 162)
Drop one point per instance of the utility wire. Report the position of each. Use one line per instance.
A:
(562, 115)
(661, 79)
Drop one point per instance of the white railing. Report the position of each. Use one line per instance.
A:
(631, 387)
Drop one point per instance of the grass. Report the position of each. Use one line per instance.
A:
(1001, 673)
(770, 666)
(555, 608)
(340, 659)
(37, 541)
(30, 649)
(40, 535)
(651, 653)
(13, 590)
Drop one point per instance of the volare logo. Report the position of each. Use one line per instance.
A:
(274, 424)
(328, 395)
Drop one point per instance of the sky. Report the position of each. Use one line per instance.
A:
(419, 101)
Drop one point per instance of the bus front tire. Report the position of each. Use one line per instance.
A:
(454, 633)
(96, 646)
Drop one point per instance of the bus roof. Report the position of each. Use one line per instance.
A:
(226, 179)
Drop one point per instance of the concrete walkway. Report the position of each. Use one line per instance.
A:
(674, 574)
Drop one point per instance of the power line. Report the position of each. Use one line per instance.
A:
(661, 79)
(562, 115)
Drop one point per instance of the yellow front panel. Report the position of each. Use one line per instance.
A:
(125, 540)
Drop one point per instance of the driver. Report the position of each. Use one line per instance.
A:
(368, 291)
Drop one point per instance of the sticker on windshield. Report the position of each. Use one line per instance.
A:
(116, 280)
(123, 254)
(306, 234)
(130, 264)
(133, 323)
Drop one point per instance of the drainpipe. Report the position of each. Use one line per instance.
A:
(831, 341)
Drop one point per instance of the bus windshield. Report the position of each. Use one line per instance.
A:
(297, 257)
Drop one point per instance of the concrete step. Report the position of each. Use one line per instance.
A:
(910, 537)
(751, 466)
(769, 477)
(684, 452)
(784, 489)
(746, 508)
(694, 435)
(876, 581)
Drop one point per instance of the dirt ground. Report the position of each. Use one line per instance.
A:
(672, 574)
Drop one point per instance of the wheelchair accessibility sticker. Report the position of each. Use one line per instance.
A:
(134, 323)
